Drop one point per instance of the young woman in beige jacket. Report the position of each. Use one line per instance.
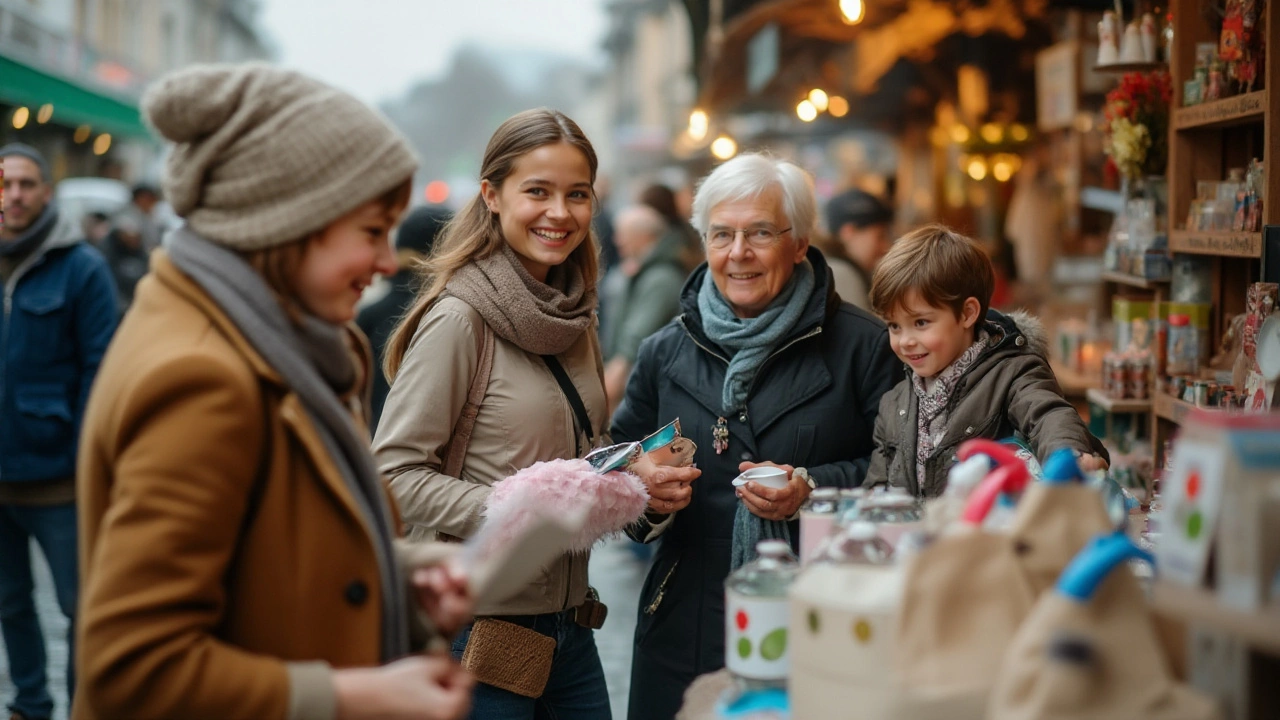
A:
(519, 262)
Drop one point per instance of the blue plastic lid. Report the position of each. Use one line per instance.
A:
(754, 701)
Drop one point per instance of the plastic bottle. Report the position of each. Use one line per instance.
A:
(817, 520)
(756, 616)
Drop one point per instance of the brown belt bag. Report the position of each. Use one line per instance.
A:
(509, 656)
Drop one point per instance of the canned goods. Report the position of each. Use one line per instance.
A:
(1137, 383)
(1200, 393)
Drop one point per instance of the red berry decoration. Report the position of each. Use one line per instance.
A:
(741, 619)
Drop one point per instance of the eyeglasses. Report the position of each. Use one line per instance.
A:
(759, 237)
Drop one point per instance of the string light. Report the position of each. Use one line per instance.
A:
(45, 114)
(724, 147)
(699, 123)
(819, 98)
(806, 111)
(852, 11)
(838, 106)
(102, 144)
(20, 118)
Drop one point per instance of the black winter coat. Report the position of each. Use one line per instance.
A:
(813, 404)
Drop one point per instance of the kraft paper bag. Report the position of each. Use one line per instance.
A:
(967, 594)
(1090, 651)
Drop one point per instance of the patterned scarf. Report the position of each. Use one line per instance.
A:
(931, 418)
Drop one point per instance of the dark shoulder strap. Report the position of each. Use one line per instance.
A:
(582, 420)
(461, 437)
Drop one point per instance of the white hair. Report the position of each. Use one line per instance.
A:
(751, 175)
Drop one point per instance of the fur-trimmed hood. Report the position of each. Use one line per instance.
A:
(1019, 323)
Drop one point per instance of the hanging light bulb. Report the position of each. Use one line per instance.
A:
(819, 98)
(852, 11)
(806, 111)
(977, 168)
(724, 147)
(699, 123)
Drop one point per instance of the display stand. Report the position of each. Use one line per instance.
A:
(1204, 141)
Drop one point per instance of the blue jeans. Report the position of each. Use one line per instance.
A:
(54, 529)
(576, 689)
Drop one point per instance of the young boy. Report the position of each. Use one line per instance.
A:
(973, 372)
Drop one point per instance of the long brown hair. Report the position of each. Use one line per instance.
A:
(475, 233)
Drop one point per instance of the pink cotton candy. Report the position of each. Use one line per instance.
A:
(558, 487)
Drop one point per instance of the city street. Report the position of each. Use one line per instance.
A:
(615, 572)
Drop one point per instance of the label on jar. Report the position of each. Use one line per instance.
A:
(756, 637)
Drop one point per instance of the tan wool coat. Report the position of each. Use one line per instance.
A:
(524, 418)
(189, 608)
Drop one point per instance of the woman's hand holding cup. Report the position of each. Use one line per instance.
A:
(779, 502)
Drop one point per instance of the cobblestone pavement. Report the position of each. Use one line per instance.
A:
(55, 635)
(615, 572)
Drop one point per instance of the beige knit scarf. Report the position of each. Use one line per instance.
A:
(541, 318)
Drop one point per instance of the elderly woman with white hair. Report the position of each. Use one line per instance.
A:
(765, 366)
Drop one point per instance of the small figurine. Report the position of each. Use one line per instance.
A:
(1108, 39)
(1131, 48)
(1148, 37)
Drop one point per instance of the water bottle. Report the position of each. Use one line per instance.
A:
(858, 543)
(817, 520)
(756, 617)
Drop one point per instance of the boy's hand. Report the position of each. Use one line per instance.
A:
(1091, 463)
(774, 503)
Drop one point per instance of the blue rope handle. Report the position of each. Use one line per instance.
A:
(1095, 562)
(1061, 468)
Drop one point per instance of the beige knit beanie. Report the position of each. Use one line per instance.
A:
(266, 156)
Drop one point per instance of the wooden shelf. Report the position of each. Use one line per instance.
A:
(1074, 384)
(1113, 405)
(1259, 629)
(1171, 408)
(1236, 110)
(1230, 244)
(1132, 280)
(1128, 67)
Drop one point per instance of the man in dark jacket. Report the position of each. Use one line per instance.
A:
(59, 315)
(414, 240)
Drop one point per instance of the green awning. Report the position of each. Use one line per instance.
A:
(72, 104)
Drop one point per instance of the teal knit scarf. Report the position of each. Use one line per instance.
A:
(752, 340)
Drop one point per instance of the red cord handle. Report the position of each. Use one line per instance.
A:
(1010, 476)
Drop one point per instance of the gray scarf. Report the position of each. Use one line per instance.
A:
(752, 340)
(540, 318)
(30, 239)
(249, 303)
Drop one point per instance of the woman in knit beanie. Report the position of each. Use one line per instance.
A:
(237, 542)
(509, 313)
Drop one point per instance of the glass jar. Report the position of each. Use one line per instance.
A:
(857, 544)
(756, 617)
(816, 520)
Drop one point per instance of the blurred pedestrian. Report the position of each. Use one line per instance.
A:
(123, 248)
(860, 225)
(509, 311)
(237, 540)
(59, 314)
(414, 240)
(680, 237)
(141, 213)
(643, 292)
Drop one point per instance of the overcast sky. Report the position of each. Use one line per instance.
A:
(376, 49)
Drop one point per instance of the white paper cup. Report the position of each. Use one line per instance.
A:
(770, 477)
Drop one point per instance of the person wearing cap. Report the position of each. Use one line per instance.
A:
(239, 548)
(414, 240)
(59, 313)
(860, 233)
